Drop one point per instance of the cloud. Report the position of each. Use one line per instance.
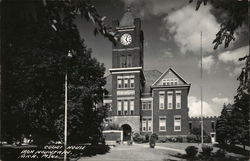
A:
(186, 25)
(208, 62)
(209, 109)
(230, 59)
(220, 101)
(167, 53)
(163, 39)
(234, 55)
(147, 8)
(195, 107)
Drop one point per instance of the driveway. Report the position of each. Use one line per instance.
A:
(136, 152)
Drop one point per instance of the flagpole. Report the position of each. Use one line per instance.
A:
(201, 95)
(65, 116)
(69, 55)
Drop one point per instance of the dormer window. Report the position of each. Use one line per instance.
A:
(170, 81)
(175, 81)
(164, 82)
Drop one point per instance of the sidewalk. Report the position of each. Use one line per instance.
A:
(161, 147)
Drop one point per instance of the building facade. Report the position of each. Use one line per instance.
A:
(143, 101)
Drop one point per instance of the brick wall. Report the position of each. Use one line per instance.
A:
(207, 123)
(171, 113)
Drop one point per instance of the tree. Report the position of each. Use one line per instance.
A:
(197, 132)
(36, 39)
(237, 15)
(233, 124)
(222, 126)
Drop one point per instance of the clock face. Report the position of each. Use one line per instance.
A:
(126, 39)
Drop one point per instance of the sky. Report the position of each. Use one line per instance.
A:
(172, 37)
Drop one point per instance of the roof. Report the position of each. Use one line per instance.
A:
(127, 19)
(150, 76)
(165, 73)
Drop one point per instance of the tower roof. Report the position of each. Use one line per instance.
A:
(127, 19)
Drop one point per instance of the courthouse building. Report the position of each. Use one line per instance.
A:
(143, 101)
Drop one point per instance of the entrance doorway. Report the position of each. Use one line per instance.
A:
(213, 137)
(126, 132)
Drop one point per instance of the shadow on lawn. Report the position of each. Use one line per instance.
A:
(202, 157)
(234, 149)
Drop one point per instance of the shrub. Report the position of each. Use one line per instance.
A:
(220, 153)
(138, 138)
(207, 139)
(152, 143)
(162, 140)
(130, 142)
(146, 137)
(171, 139)
(96, 149)
(191, 138)
(179, 139)
(154, 136)
(191, 151)
(206, 150)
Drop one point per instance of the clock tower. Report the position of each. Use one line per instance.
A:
(127, 73)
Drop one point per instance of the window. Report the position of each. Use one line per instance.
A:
(212, 125)
(161, 101)
(177, 123)
(144, 124)
(168, 82)
(119, 83)
(178, 99)
(119, 107)
(125, 107)
(162, 123)
(164, 82)
(131, 107)
(149, 105)
(172, 81)
(123, 61)
(129, 61)
(132, 82)
(190, 125)
(170, 100)
(149, 124)
(125, 83)
(144, 105)
(175, 81)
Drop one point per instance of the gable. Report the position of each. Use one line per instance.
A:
(168, 78)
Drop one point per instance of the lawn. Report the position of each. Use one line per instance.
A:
(142, 152)
(133, 153)
(181, 146)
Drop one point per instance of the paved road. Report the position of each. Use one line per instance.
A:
(136, 152)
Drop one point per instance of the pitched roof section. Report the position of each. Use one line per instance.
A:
(150, 77)
(171, 75)
(127, 19)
